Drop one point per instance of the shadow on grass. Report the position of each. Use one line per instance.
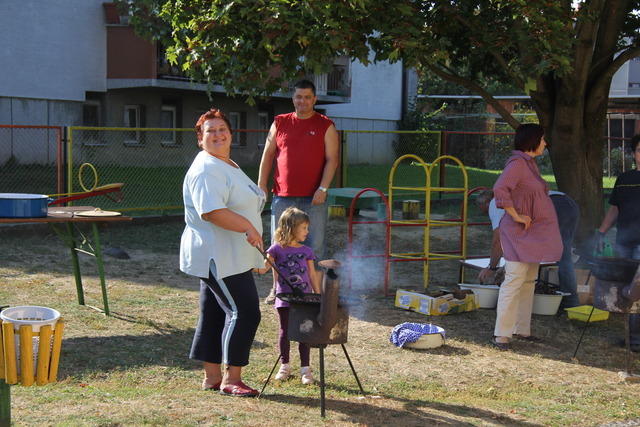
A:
(117, 352)
(169, 347)
(411, 413)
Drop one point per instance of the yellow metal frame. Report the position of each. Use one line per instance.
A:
(427, 222)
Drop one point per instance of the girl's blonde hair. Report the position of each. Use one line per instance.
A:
(289, 220)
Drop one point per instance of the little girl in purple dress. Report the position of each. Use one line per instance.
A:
(295, 261)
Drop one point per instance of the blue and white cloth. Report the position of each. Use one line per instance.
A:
(408, 332)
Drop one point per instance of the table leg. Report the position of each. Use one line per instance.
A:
(71, 242)
(98, 254)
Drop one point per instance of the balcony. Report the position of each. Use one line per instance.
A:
(135, 62)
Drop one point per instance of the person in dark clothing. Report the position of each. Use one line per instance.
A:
(624, 212)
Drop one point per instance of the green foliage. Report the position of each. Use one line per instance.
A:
(253, 46)
(613, 165)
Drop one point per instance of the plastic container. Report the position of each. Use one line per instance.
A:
(33, 315)
(426, 341)
(487, 295)
(582, 312)
(23, 205)
(32, 352)
(547, 304)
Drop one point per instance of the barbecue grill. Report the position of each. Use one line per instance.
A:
(616, 290)
(319, 320)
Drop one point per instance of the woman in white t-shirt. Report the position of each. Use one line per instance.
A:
(222, 209)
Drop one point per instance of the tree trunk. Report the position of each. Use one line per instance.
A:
(576, 139)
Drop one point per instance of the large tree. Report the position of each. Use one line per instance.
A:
(563, 53)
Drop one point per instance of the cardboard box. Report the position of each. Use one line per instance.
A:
(585, 290)
(413, 301)
(435, 306)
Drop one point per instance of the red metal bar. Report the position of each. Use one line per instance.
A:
(350, 255)
(59, 156)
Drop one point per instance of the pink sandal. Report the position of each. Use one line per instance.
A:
(239, 389)
(207, 386)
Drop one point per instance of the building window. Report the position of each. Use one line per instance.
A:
(91, 113)
(132, 119)
(263, 120)
(168, 119)
(234, 119)
(91, 117)
(238, 122)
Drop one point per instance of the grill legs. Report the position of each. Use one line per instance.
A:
(322, 406)
(322, 383)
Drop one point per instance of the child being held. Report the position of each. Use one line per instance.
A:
(295, 261)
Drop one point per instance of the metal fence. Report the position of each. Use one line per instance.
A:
(151, 163)
(31, 159)
(367, 156)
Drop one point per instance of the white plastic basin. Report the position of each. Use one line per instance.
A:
(486, 295)
(33, 315)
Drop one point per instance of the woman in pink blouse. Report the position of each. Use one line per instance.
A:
(529, 234)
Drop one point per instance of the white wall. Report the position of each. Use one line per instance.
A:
(376, 93)
(376, 105)
(52, 49)
(620, 81)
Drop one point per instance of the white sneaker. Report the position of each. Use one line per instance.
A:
(307, 375)
(284, 372)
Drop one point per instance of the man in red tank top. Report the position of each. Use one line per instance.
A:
(305, 147)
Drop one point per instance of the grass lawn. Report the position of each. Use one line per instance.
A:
(133, 369)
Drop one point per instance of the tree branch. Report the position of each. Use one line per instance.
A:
(606, 76)
(587, 31)
(493, 52)
(488, 98)
(611, 22)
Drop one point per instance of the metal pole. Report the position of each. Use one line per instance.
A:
(623, 137)
(588, 319)
(352, 368)
(321, 381)
(609, 145)
(627, 342)
(5, 404)
(269, 377)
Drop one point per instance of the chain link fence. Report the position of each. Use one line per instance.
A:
(151, 163)
(367, 156)
(31, 159)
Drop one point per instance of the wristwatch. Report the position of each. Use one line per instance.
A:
(323, 189)
(492, 268)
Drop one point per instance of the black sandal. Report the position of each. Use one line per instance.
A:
(529, 338)
(502, 346)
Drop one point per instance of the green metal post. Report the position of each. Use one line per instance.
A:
(98, 253)
(76, 264)
(5, 404)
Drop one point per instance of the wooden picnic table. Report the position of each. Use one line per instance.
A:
(68, 216)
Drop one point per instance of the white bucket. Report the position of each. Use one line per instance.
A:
(35, 316)
(486, 295)
(547, 304)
